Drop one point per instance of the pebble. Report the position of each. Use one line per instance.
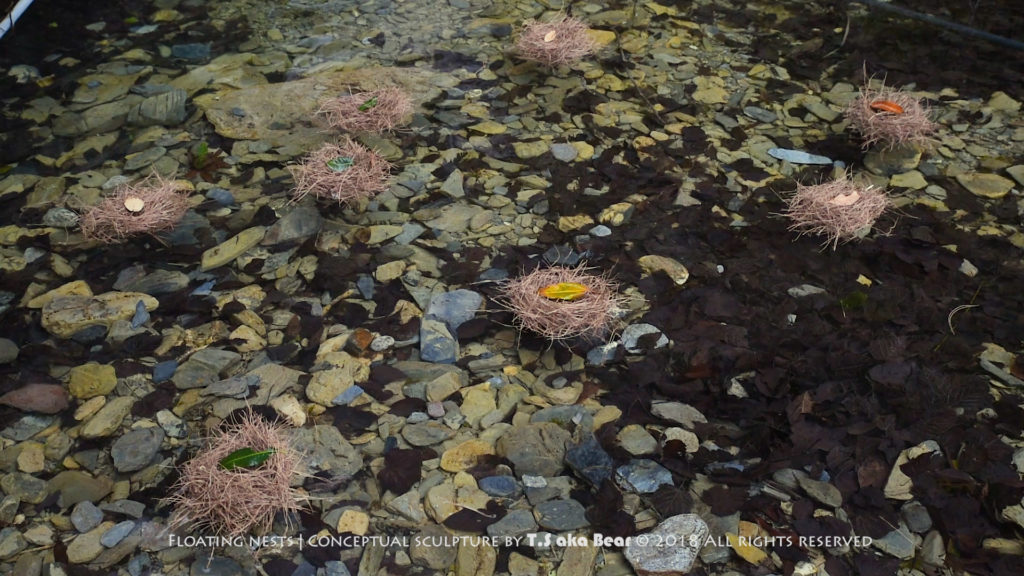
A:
(561, 515)
(643, 476)
(689, 530)
(193, 52)
(590, 461)
(426, 433)
(85, 516)
(535, 449)
(636, 440)
(298, 224)
(632, 334)
(515, 523)
(163, 371)
(455, 308)
(564, 152)
(499, 486)
(985, 185)
(678, 412)
(116, 534)
(108, 419)
(135, 449)
(437, 343)
(798, 156)
(44, 398)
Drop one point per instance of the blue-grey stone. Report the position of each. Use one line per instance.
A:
(410, 232)
(27, 427)
(364, 283)
(129, 508)
(760, 114)
(163, 371)
(90, 334)
(136, 448)
(221, 196)
(436, 342)
(238, 112)
(494, 275)
(336, 568)
(600, 231)
(564, 152)
(455, 307)
(602, 354)
(139, 564)
(589, 460)
(233, 387)
(141, 315)
(193, 52)
(631, 335)
(561, 515)
(515, 523)
(304, 569)
(797, 156)
(113, 536)
(85, 516)
(347, 396)
(299, 224)
(204, 289)
(561, 256)
(499, 486)
(643, 476)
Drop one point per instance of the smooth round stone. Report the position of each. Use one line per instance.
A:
(564, 152)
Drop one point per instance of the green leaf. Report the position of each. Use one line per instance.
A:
(368, 104)
(245, 458)
(853, 300)
(340, 164)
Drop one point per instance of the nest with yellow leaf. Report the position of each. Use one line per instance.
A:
(563, 303)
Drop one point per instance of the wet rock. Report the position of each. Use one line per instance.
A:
(229, 250)
(455, 308)
(11, 543)
(326, 449)
(900, 543)
(43, 398)
(632, 334)
(135, 449)
(426, 433)
(535, 449)
(65, 315)
(91, 380)
(561, 515)
(299, 224)
(193, 52)
(436, 342)
(129, 508)
(689, 530)
(167, 109)
(887, 162)
(589, 460)
(8, 351)
(24, 487)
(425, 549)
(823, 492)
(499, 486)
(985, 185)
(204, 368)
(603, 354)
(116, 534)
(636, 440)
(465, 455)
(678, 412)
(798, 156)
(916, 517)
(643, 476)
(155, 283)
(108, 419)
(86, 516)
(515, 523)
(86, 547)
(452, 186)
(326, 385)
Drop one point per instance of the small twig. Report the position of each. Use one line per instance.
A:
(949, 319)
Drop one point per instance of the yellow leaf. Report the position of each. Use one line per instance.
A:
(751, 554)
(564, 291)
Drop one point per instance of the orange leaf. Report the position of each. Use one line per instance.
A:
(886, 106)
(564, 291)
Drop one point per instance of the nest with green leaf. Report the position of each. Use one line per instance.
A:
(381, 110)
(239, 482)
(345, 172)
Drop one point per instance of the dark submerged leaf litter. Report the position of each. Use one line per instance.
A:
(864, 373)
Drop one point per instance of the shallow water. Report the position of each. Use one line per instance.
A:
(792, 356)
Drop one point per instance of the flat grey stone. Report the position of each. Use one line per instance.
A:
(436, 342)
(688, 530)
(561, 515)
(515, 523)
(136, 449)
(114, 536)
(299, 224)
(455, 308)
(85, 516)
